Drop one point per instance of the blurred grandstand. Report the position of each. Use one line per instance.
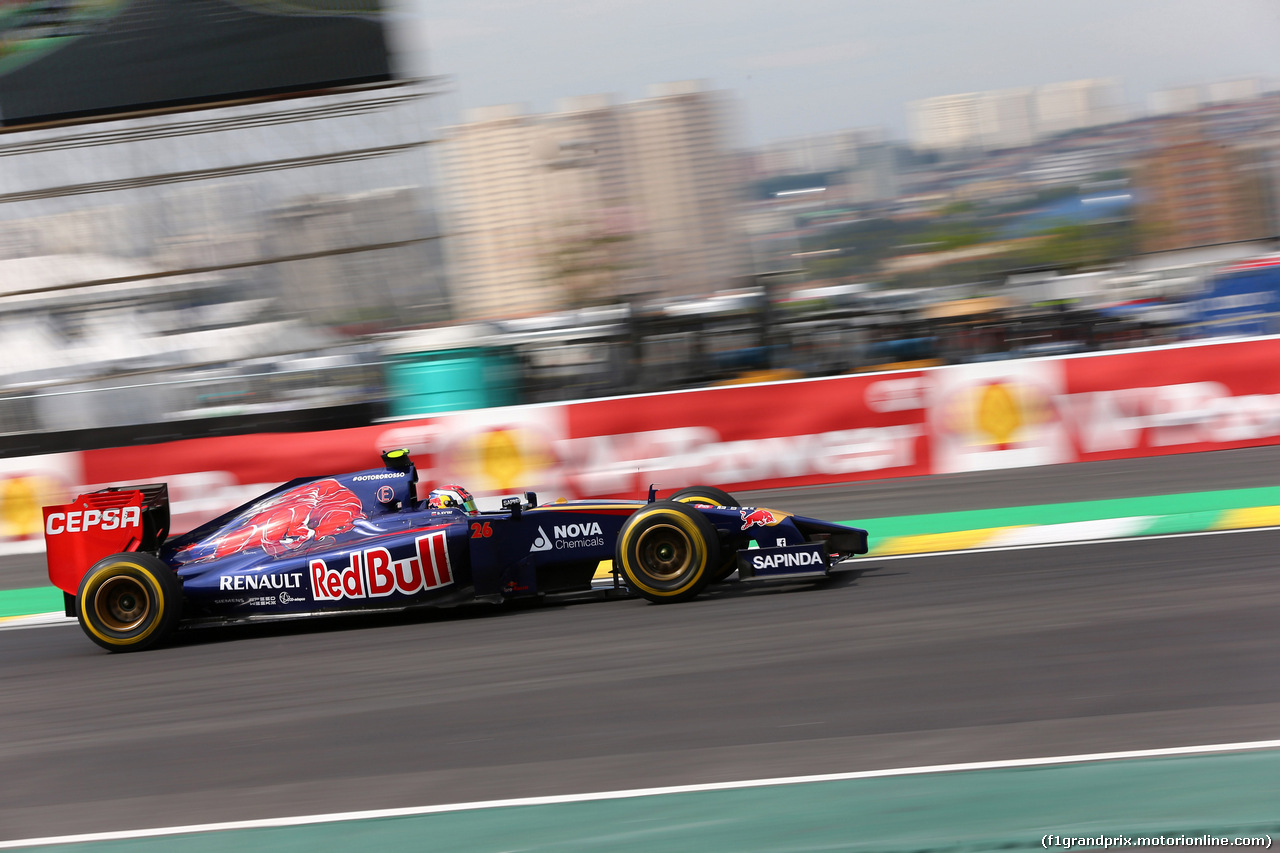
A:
(123, 367)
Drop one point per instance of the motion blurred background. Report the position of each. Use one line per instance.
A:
(243, 241)
(223, 217)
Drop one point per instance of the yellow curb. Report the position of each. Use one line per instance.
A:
(1254, 516)
(959, 540)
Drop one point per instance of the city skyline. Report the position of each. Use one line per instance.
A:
(831, 65)
(557, 210)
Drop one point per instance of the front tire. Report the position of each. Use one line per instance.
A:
(714, 497)
(709, 495)
(128, 602)
(668, 552)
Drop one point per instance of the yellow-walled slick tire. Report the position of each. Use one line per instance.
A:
(128, 602)
(668, 552)
(704, 495)
(715, 497)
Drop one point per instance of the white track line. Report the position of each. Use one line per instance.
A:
(1073, 531)
(335, 817)
(35, 620)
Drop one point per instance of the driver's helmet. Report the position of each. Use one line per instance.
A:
(444, 497)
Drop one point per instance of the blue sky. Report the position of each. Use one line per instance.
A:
(810, 66)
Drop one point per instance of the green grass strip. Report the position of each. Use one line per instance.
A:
(1187, 522)
(25, 602)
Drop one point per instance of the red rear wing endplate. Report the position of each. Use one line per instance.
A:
(96, 525)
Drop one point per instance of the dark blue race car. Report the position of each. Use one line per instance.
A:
(368, 541)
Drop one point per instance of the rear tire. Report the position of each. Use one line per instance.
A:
(668, 552)
(128, 602)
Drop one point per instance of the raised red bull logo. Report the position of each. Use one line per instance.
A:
(758, 518)
(289, 521)
(373, 574)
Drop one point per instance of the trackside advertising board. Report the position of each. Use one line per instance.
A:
(967, 417)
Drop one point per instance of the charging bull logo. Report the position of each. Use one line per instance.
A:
(758, 518)
(287, 522)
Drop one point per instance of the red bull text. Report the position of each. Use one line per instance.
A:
(373, 574)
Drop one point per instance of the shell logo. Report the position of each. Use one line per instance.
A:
(506, 459)
(999, 415)
(21, 500)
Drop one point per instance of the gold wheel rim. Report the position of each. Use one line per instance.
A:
(122, 603)
(665, 552)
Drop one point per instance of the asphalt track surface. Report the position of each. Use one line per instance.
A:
(1132, 644)
(948, 658)
(1047, 484)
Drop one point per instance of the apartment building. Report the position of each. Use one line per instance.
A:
(1012, 118)
(1194, 190)
(591, 203)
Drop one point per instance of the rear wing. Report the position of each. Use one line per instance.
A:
(96, 525)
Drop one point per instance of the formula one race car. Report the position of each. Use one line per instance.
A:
(367, 541)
